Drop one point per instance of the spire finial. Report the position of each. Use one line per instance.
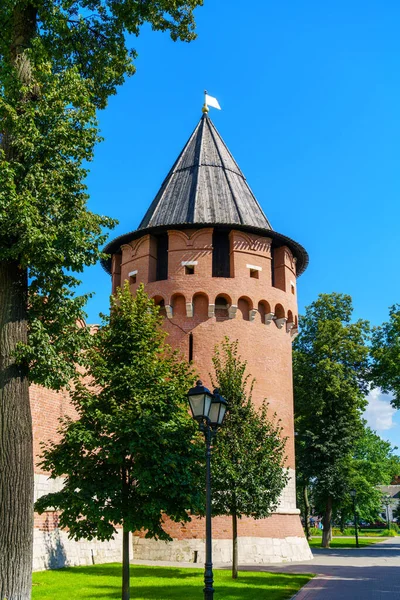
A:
(205, 107)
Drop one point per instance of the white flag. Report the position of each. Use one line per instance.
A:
(210, 101)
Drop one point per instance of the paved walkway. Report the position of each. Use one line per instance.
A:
(342, 574)
(354, 574)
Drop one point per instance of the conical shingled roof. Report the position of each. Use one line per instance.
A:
(205, 186)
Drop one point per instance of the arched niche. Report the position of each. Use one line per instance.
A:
(178, 303)
(160, 302)
(264, 308)
(222, 304)
(279, 311)
(200, 306)
(245, 305)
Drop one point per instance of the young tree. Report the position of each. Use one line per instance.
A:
(329, 366)
(385, 353)
(134, 454)
(59, 62)
(248, 471)
(373, 463)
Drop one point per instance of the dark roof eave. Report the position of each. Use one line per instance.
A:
(299, 252)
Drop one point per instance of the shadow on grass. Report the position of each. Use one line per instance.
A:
(256, 588)
(160, 583)
(115, 570)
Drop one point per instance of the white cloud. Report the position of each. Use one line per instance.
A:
(379, 412)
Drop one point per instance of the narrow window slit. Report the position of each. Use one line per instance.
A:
(190, 347)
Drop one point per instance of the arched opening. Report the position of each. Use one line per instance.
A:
(162, 256)
(279, 311)
(221, 263)
(200, 306)
(290, 317)
(159, 301)
(244, 307)
(222, 304)
(296, 322)
(264, 308)
(178, 303)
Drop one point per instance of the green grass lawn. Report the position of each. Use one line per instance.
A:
(338, 542)
(103, 582)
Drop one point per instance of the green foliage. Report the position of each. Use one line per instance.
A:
(330, 361)
(59, 63)
(134, 452)
(385, 352)
(372, 463)
(389, 533)
(316, 531)
(248, 459)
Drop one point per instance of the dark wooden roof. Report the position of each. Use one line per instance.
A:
(205, 186)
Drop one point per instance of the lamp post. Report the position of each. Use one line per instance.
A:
(387, 502)
(209, 411)
(353, 494)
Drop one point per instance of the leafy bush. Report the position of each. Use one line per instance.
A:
(346, 531)
(316, 531)
(388, 533)
(395, 527)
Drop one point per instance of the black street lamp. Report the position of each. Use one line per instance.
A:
(209, 411)
(386, 500)
(353, 494)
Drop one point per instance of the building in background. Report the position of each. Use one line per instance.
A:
(391, 500)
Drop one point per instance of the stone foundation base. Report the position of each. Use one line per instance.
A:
(252, 550)
(53, 550)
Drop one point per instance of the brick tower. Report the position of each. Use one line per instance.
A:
(209, 257)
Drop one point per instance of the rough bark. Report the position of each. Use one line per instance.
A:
(327, 523)
(16, 456)
(125, 566)
(234, 547)
(125, 537)
(306, 512)
(342, 523)
(16, 453)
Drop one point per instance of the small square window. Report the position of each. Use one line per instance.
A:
(189, 269)
(254, 273)
(132, 276)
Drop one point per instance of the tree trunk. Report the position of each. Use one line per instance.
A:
(125, 566)
(234, 547)
(306, 512)
(327, 523)
(342, 522)
(16, 456)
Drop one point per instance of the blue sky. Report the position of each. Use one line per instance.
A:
(310, 95)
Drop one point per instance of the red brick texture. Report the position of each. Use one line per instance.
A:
(191, 299)
(276, 526)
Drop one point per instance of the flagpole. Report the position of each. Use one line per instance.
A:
(205, 107)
